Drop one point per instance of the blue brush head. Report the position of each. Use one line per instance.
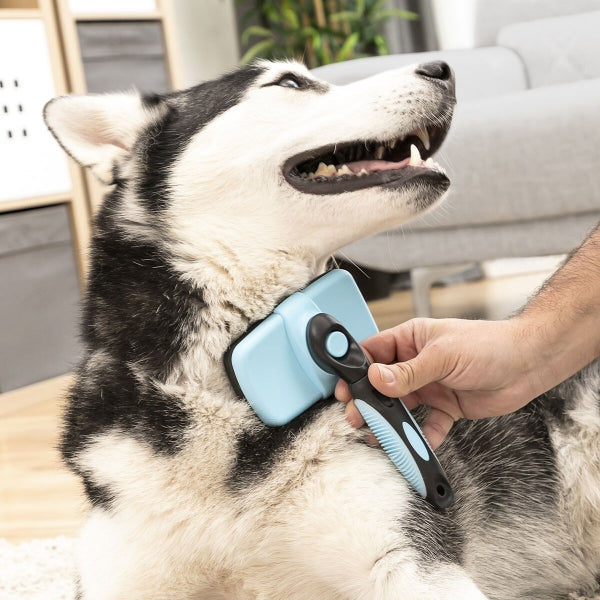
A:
(271, 365)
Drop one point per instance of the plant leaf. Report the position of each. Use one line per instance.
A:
(290, 18)
(381, 44)
(255, 30)
(257, 50)
(396, 13)
(345, 15)
(348, 47)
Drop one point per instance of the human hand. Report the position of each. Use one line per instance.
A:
(459, 368)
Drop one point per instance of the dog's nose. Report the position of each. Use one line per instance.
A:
(436, 69)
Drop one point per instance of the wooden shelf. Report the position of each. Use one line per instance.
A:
(19, 13)
(141, 16)
(19, 4)
(74, 197)
(38, 201)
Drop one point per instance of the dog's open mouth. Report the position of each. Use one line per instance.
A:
(353, 166)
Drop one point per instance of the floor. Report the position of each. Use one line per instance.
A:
(40, 498)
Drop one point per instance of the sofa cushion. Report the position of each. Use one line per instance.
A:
(521, 157)
(401, 250)
(556, 50)
(489, 16)
(480, 72)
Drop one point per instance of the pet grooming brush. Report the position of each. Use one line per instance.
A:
(295, 356)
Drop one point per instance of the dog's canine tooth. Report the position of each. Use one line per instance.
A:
(415, 157)
(379, 152)
(423, 135)
(321, 169)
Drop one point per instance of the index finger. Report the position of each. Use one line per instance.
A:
(391, 345)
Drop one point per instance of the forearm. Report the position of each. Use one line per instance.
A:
(561, 324)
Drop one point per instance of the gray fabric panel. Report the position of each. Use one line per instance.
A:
(122, 55)
(102, 39)
(401, 250)
(27, 229)
(39, 305)
(522, 156)
(556, 50)
(492, 15)
(480, 73)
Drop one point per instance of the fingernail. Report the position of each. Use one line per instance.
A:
(387, 375)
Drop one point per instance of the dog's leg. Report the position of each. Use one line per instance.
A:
(113, 566)
(394, 577)
(413, 582)
(347, 536)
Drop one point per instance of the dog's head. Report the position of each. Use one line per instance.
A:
(267, 156)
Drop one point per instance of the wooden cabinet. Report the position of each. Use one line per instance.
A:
(53, 47)
(43, 210)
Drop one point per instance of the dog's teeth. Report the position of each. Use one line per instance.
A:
(362, 172)
(431, 164)
(321, 169)
(379, 152)
(344, 170)
(324, 170)
(415, 157)
(423, 135)
(392, 144)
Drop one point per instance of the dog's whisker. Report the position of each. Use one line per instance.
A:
(354, 264)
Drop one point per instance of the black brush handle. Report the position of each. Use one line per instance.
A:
(336, 351)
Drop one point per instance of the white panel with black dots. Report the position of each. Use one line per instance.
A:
(31, 162)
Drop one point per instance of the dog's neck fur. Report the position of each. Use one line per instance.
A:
(180, 339)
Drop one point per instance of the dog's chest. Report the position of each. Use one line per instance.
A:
(578, 457)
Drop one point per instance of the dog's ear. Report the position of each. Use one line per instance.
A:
(98, 131)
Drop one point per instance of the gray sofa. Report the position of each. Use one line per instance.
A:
(523, 153)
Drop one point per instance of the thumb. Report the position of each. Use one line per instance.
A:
(400, 379)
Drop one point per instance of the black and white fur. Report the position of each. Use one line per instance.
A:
(191, 495)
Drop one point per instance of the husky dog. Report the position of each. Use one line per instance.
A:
(227, 197)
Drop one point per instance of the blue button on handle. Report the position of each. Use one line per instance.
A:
(336, 344)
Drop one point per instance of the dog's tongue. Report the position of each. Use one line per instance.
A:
(376, 165)
(370, 166)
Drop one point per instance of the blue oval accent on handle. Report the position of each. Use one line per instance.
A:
(416, 442)
(393, 445)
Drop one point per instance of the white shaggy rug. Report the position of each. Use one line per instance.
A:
(38, 570)
(45, 570)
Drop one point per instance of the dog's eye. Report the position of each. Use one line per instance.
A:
(289, 81)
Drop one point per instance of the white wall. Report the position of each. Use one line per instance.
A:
(208, 44)
(455, 23)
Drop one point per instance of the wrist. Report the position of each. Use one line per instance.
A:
(552, 347)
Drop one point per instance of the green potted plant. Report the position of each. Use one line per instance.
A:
(318, 32)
